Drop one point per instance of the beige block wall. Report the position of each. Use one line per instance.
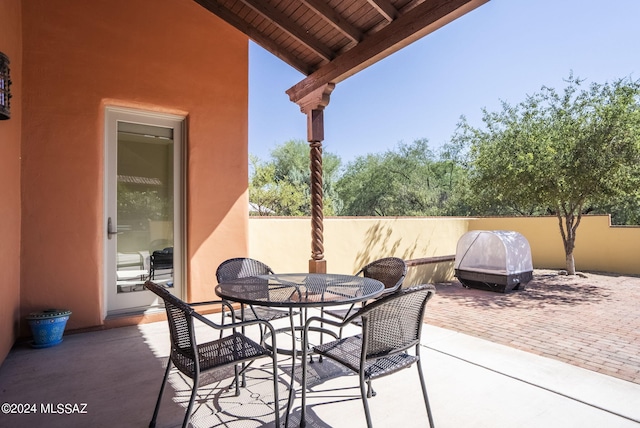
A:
(350, 243)
(599, 246)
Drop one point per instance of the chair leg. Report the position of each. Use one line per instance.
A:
(303, 405)
(370, 391)
(365, 402)
(276, 400)
(244, 376)
(152, 424)
(424, 392)
(194, 391)
(235, 372)
(306, 317)
(236, 380)
(293, 367)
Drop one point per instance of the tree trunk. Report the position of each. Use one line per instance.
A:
(569, 245)
(571, 264)
(568, 224)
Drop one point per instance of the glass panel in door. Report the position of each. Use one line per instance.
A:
(144, 206)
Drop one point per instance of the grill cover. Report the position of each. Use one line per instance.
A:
(496, 260)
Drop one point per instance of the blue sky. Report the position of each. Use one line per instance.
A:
(503, 50)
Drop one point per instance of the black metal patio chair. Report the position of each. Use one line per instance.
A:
(391, 326)
(161, 266)
(193, 359)
(391, 271)
(242, 267)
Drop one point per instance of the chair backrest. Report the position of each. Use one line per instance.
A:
(390, 271)
(161, 263)
(241, 267)
(393, 323)
(181, 330)
(162, 259)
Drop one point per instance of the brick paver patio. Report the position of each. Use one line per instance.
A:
(591, 322)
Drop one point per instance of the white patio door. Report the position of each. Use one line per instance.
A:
(143, 207)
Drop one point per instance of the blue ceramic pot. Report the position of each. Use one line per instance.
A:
(47, 327)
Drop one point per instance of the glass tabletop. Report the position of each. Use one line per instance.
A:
(300, 289)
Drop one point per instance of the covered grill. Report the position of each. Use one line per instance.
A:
(494, 260)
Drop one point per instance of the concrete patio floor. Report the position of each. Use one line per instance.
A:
(471, 383)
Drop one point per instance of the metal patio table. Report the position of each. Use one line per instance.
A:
(299, 290)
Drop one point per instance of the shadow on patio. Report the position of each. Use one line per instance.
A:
(471, 383)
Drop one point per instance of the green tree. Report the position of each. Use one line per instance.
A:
(272, 197)
(559, 153)
(281, 185)
(398, 182)
(624, 210)
(452, 170)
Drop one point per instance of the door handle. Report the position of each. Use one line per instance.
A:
(110, 231)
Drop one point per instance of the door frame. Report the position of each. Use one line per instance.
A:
(113, 115)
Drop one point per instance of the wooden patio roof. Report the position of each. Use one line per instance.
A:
(330, 40)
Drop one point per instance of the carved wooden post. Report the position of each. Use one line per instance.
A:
(313, 106)
(317, 263)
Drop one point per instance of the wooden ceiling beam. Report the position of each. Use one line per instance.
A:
(290, 27)
(384, 8)
(334, 19)
(407, 28)
(232, 19)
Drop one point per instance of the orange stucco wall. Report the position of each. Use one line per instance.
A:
(171, 56)
(10, 45)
